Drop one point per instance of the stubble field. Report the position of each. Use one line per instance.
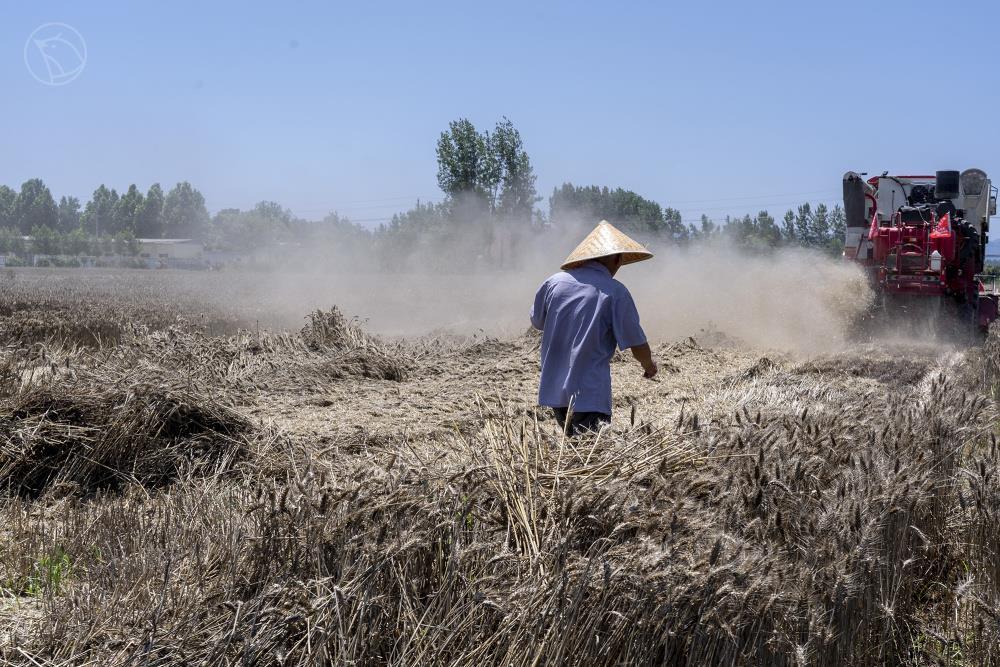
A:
(201, 469)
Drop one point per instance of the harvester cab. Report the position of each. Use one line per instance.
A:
(922, 241)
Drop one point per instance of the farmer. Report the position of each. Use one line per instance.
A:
(584, 313)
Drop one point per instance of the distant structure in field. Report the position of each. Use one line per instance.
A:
(171, 253)
(141, 253)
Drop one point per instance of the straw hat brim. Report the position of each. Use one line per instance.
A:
(606, 240)
(627, 258)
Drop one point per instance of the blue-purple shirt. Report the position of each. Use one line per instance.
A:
(583, 314)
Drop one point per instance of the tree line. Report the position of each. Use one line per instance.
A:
(806, 226)
(489, 208)
(179, 213)
(110, 222)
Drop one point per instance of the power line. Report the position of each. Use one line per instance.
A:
(790, 194)
(762, 206)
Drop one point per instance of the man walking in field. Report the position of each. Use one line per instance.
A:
(584, 314)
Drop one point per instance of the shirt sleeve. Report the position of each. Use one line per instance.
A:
(538, 309)
(625, 321)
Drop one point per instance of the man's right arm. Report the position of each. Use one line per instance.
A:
(644, 355)
(628, 333)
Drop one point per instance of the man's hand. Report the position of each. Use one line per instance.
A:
(644, 356)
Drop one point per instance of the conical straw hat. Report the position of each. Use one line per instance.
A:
(604, 241)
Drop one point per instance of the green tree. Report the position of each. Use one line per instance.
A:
(75, 242)
(804, 225)
(466, 167)
(768, 231)
(273, 214)
(708, 228)
(517, 194)
(69, 214)
(838, 227)
(788, 227)
(99, 245)
(674, 226)
(125, 214)
(348, 240)
(756, 233)
(820, 227)
(591, 204)
(337, 227)
(11, 241)
(265, 224)
(35, 206)
(125, 244)
(97, 218)
(738, 229)
(184, 212)
(227, 230)
(149, 224)
(45, 240)
(8, 207)
(417, 233)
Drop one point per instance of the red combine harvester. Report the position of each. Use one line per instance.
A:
(922, 241)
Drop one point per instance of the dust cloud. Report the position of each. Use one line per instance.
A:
(790, 299)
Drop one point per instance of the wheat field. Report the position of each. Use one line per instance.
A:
(180, 485)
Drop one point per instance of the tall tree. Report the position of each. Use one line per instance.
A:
(466, 168)
(8, 207)
(97, 218)
(125, 215)
(803, 225)
(707, 227)
(838, 223)
(820, 227)
(767, 230)
(35, 207)
(149, 224)
(674, 226)
(69, 214)
(738, 230)
(838, 230)
(788, 227)
(184, 212)
(517, 195)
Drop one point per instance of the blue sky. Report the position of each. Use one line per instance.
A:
(708, 107)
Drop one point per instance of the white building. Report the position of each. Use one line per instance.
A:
(170, 252)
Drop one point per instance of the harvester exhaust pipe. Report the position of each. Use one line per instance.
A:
(854, 200)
